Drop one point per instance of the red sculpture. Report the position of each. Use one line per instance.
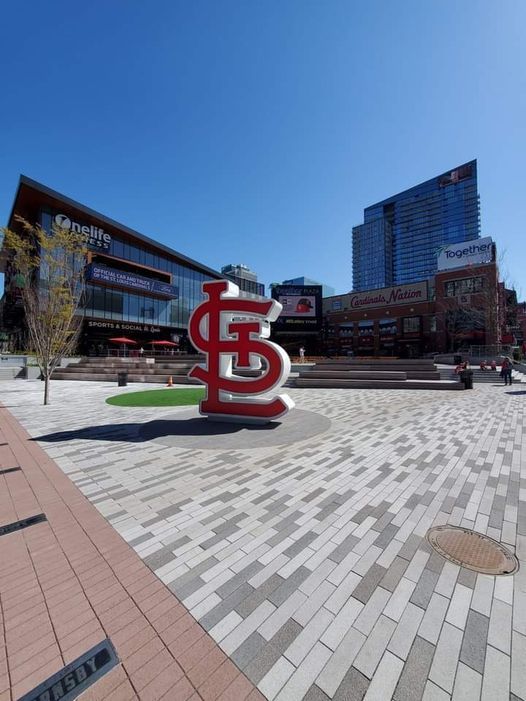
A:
(226, 327)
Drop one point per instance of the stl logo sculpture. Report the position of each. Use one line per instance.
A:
(224, 327)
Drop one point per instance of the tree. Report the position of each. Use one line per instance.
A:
(50, 272)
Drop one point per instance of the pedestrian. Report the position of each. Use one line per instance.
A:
(302, 354)
(141, 351)
(506, 370)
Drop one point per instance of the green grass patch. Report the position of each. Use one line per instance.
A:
(160, 397)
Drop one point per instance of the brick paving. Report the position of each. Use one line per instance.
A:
(71, 582)
(306, 563)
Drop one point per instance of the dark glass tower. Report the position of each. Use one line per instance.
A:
(400, 236)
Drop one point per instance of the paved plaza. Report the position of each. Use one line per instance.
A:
(301, 549)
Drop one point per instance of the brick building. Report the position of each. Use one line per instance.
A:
(454, 309)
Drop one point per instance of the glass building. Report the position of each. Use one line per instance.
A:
(135, 286)
(327, 290)
(245, 279)
(401, 236)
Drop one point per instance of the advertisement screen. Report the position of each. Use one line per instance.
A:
(100, 273)
(301, 307)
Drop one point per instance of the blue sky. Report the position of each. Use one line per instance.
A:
(256, 132)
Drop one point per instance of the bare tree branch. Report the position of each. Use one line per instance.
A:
(51, 266)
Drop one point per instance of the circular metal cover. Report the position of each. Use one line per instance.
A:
(473, 550)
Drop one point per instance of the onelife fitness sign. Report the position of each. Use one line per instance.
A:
(226, 327)
(94, 235)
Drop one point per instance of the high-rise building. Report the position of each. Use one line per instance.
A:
(245, 279)
(401, 236)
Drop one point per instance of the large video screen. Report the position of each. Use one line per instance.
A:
(302, 307)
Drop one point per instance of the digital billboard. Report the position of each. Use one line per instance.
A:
(131, 281)
(302, 307)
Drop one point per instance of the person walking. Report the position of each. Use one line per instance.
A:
(506, 370)
(302, 354)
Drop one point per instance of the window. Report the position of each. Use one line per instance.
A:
(411, 325)
(470, 285)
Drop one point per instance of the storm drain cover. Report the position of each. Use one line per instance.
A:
(473, 550)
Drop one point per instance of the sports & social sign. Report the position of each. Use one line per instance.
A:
(228, 328)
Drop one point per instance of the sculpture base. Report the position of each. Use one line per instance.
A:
(188, 429)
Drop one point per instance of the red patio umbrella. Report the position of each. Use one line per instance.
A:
(163, 343)
(122, 339)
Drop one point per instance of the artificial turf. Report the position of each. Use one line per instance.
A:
(160, 397)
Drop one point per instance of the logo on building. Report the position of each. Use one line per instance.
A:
(232, 332)
(95, 236)
(389, 296)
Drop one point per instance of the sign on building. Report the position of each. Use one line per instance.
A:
(459, 255)
(301, 308)
(131, 281)
(389, 296)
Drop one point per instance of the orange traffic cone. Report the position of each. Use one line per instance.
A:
(170, 382)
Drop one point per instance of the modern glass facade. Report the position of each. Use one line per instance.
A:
(326, 290)
(109, 302)
(372, 255)
(135, 286)
(400, 237)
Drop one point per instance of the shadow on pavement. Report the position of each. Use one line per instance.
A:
(139, 432)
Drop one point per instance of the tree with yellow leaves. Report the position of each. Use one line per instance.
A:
(52, 268)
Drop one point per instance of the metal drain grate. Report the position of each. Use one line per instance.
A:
(472, 550)
(24, 523)
(9, 469)
(71, 681)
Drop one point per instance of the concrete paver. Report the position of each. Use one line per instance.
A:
(306, 563)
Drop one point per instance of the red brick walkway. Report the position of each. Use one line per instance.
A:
(70, 582)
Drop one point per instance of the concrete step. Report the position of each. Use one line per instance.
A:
(132, 377)
(352, 375)
(379, 384)
(110, 375)
(483, 376)
(10, 372)
(378, 367)
(376, 362)
(101, 370)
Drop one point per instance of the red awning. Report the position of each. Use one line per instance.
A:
(123, 340)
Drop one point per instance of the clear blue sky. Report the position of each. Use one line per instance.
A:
(247, 131)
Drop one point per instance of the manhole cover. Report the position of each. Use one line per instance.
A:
(473, 550)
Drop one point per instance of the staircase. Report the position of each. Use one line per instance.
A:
(106, 369)
(483, 376)
(152, 370)
(376, 374)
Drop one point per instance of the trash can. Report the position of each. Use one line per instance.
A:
(122, 379)
(457, 359)
(466, 376)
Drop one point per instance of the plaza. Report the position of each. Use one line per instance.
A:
(295, 555)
